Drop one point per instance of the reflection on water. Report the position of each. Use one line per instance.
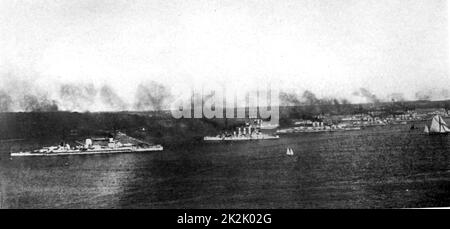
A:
(374, 168)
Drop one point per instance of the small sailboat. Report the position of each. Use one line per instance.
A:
(289, 152)
(426, 130)
(438, 126)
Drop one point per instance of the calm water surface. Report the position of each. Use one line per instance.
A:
(381, 167)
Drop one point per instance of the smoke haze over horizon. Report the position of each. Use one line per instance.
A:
(151, 96)
(98, 55)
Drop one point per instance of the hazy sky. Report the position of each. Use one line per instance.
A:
(331, 47)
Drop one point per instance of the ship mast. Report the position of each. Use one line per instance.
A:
(440, 124)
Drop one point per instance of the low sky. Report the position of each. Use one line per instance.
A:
(330, 47)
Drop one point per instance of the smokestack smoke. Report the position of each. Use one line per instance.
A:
(152, 96)
(5, 102)
(111, 99)
(77, 97)
(433, 94)
(38, 104)
(369, 96)
(307, 98)
(26, 95)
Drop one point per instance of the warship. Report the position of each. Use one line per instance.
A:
(94, 146)
(242, 134)
(317, 127)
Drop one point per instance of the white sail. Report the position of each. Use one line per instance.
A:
(441, 120)
(289, 151)
(426, 129)
(438, 125)
(443, 125)
(434, 127)
(446, 129)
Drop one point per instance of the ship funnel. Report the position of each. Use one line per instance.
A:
(88, 142)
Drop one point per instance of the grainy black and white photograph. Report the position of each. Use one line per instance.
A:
(224, 104)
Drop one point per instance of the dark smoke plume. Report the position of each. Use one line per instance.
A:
(308, 98)
(77, 97)
(38, 104)
(152, 96)
(369, 96)
(111, 99)
(5, 102)
(289, 99)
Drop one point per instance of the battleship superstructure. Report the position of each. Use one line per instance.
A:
(248, 132)
(315, 127)
(94, 146)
